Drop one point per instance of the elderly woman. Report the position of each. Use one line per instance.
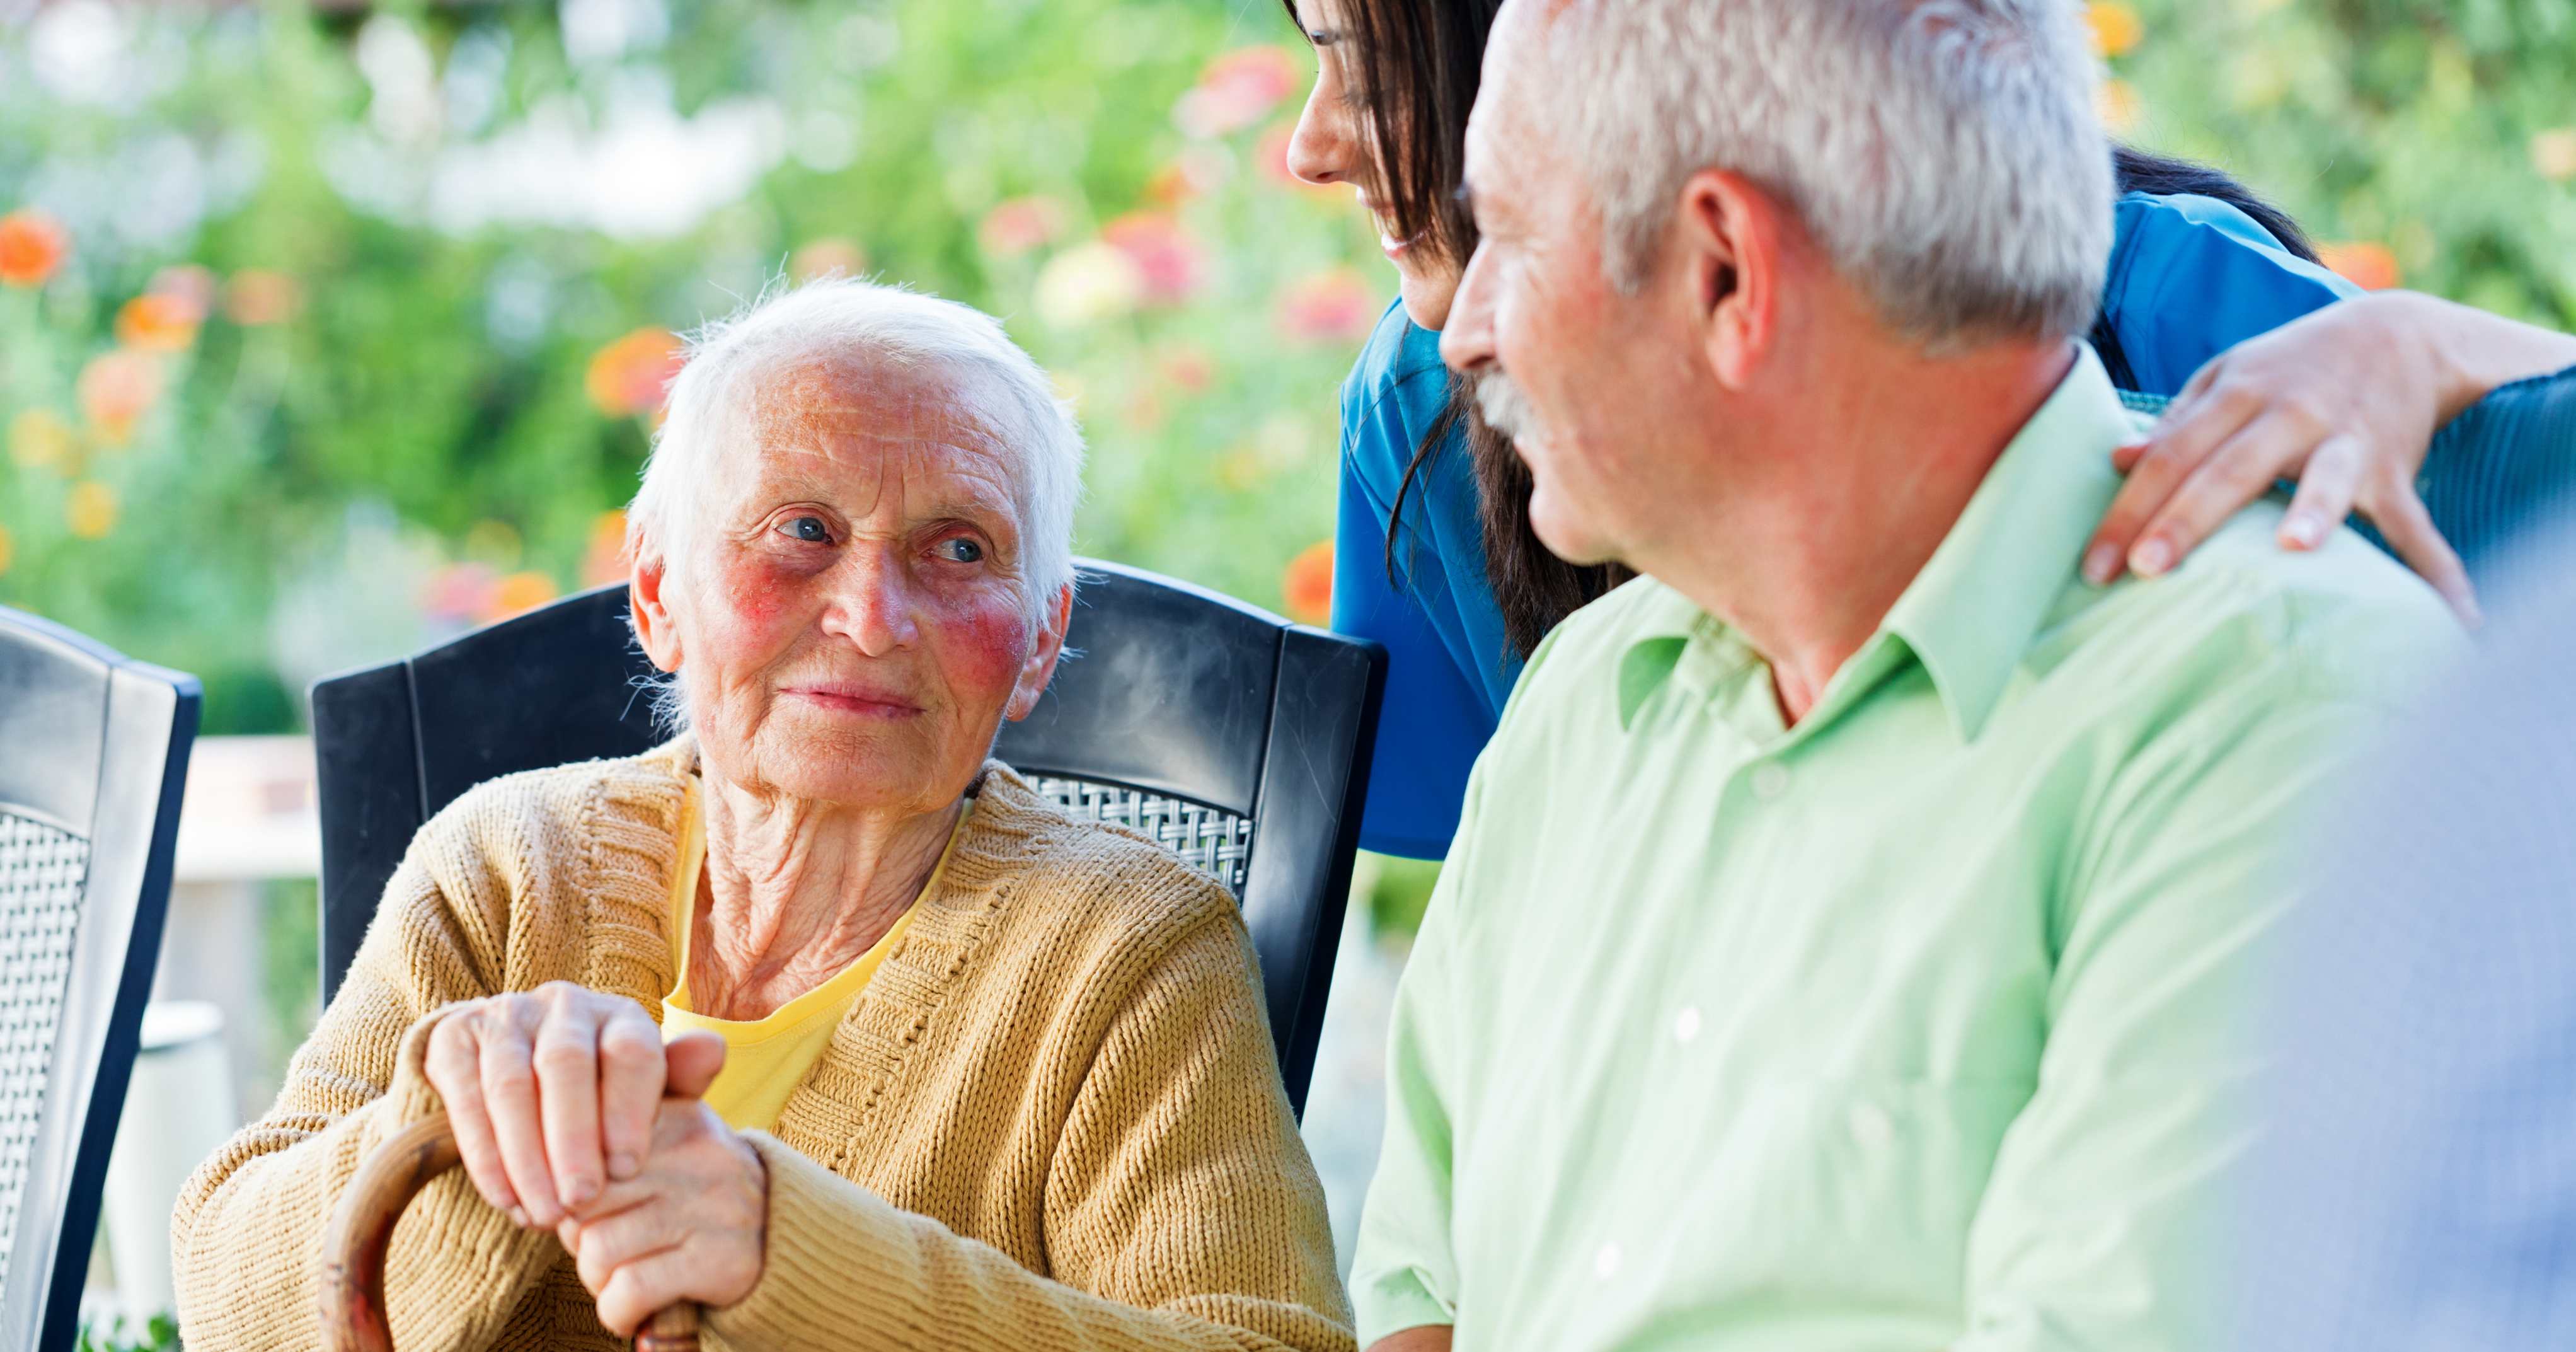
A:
(944, 1067)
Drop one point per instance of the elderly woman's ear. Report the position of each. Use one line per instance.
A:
(1039, 668)
(654, 632)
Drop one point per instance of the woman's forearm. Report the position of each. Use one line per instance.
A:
(2474, 352)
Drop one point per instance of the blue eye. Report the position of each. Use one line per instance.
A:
(807, 528)
(961, 550)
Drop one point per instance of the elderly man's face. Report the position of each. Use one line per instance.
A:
(1583, 376)
(851, 623)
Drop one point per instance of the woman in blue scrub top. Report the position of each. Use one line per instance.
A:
(2214, 298)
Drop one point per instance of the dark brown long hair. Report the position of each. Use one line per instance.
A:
(1413, 66)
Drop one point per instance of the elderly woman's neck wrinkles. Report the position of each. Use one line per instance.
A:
(795, 890)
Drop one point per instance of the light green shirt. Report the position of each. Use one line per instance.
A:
(1913, 1027)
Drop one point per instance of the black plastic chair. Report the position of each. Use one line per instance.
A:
(93, 756)
(1240, 740)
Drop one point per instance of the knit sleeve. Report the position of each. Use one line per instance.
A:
(247, 1236)
(1181, 1209)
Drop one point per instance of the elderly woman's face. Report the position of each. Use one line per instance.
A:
(851, 622)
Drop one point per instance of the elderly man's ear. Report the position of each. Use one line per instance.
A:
(654, 631)
(1732, 246)
(1040, 666)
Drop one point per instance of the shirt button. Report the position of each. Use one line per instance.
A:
(1770, 780)
(1686, 1025)
(1605, 1264)
(1872, 1127)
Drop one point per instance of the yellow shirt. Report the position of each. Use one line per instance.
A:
(765, 1059)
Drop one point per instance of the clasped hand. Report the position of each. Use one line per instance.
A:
(572, 1116)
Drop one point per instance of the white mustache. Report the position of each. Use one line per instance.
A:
(1505, 408)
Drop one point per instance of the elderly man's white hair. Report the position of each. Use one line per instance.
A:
(1944, 153)
(999, 384)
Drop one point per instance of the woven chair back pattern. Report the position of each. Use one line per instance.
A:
(42, 869)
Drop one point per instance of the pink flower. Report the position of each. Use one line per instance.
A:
(1334, 306)
(1237, 90)
(1021, 224)
(462, 592)
(1170, 262)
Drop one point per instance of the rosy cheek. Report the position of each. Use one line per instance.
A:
(753, 596)
(986, 639)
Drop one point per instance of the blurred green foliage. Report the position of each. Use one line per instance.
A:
(451, 197)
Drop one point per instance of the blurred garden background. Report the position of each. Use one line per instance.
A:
(331, 329)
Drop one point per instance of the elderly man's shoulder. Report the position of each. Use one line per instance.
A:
(2343, 621)
(1110, 876)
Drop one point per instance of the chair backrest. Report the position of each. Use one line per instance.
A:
(1236, 738)
(93, 755)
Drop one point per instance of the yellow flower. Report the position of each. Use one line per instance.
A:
(91, 510)
(40, 438)
(6, 549)
(2117, 30)
(2553, 153)
(1088, 283)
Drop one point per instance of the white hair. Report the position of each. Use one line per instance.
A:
(1944, 153)
(1003, 388)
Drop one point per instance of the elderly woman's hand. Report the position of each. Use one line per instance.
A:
(554, 1093)
(692, 1226)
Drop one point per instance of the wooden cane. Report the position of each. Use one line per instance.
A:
(353, 1249)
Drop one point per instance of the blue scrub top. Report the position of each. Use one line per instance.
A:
(2189, 278)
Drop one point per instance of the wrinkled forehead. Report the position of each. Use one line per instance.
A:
(1507, 131)
(863, 417)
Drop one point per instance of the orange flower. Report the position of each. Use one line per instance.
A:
(32, 247)
(630, 375)
(1237, 90)
(830, 257)
(40, 438)
(1335, 306)
(1307, 586)
(1170, 262)
(1021, 224)
(606, 559)
(2117, 104)
(91, 509)
(2117, 29)
(518, 594)
(159, 321)
(115, 390)
(258, 297)
(2372, 267)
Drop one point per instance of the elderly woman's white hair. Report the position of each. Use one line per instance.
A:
(1001, 385)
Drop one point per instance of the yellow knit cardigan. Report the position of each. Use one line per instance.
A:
(1054, 1119)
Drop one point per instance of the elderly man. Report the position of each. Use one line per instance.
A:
(1847, 941)
(947, 1068)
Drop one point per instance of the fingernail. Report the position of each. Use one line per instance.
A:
(2102, 564)
(621, 1167)
(2151, 558)
(2304, 529)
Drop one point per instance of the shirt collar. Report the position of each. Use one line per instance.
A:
(1974, 609)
